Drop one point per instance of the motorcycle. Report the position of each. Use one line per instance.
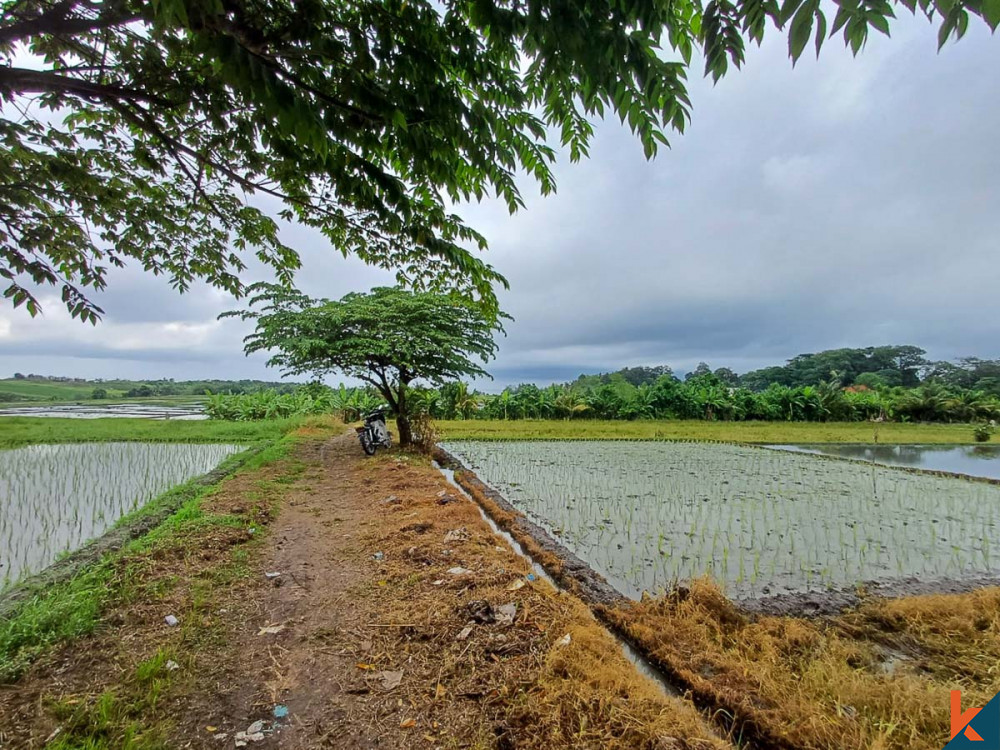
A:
(374, 434)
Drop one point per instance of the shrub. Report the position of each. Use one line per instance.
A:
(983, 432)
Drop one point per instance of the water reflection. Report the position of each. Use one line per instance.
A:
(98, 411)
(974, 460)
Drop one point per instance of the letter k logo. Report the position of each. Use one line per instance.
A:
(960, 721)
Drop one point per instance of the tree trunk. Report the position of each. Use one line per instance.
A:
(402, 417)
(403, 425)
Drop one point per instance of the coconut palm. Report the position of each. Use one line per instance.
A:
(466, 402)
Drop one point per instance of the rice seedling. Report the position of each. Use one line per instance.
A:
(646, 514)
(53, 498)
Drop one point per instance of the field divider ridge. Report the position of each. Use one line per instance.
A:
(578, 578)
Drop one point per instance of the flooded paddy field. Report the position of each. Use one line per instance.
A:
(972, 460)
(54, 498)
(192, 410)
(647, 515)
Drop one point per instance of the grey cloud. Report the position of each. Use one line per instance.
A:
(848, 202)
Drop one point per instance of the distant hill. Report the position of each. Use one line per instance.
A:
(55, 388)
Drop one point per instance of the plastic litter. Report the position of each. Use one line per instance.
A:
(378, 556)
(272, 575)
(564, 641)
(280, 712)
(506, 613)
(459, 571)
(172, 666)
(171, 621)
(456, 535)
(253, 733)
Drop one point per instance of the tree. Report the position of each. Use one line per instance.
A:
(388, 337)
(727, 377)
(148, 131)
(699, 371)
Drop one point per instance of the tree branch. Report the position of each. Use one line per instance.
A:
(25, 81)
(56, 22)
(382, 388)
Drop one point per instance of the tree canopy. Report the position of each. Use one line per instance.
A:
(388, 338)
(151, 130)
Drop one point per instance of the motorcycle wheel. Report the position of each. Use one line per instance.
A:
(367, 445)
(388, 440)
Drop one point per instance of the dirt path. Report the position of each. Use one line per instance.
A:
(391, 627)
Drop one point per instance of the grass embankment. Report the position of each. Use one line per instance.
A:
(16, 432)
(879, 677)
(740, 432)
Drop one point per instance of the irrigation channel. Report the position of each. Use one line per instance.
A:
(931, 501)
(567, 572)
(55, 498)
(641, 663)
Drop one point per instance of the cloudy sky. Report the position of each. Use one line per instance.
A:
(847, 202)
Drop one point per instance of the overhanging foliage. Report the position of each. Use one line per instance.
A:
(147, 131)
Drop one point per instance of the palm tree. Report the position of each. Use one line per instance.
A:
(425, 402)
(569, 404)
(968, 406)
(927, 403)
(466, 402)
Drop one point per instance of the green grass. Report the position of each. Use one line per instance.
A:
(32, 390)
(20, 431)
(745, 432)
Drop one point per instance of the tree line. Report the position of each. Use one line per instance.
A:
(889, 383)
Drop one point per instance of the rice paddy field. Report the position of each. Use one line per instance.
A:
(54, 498)
(649, 514)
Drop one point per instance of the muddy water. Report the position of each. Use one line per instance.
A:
(972, 460)
(54, 498)
(647, 515)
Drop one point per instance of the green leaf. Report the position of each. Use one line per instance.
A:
(880, 23)
(947, 26)
(820, 30)
(991, 13)
(801, 29)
